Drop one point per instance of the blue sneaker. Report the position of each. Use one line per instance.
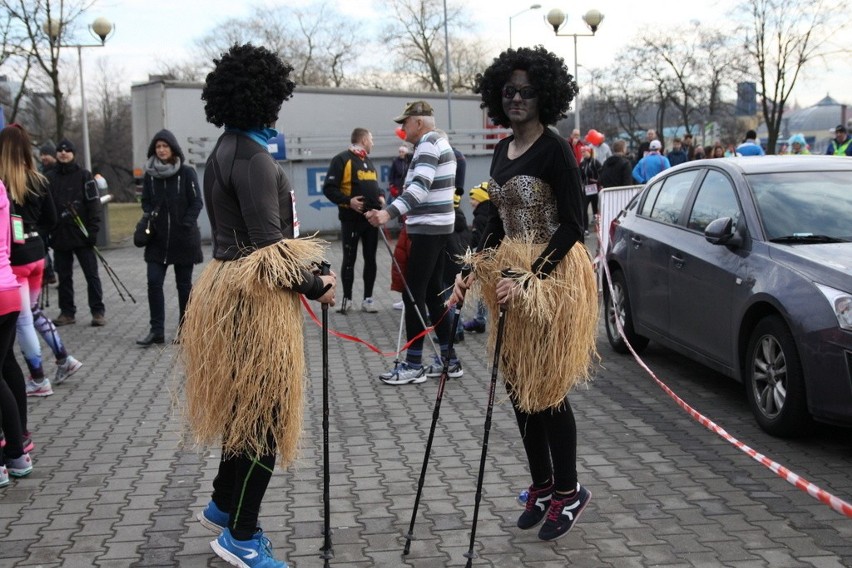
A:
(253, 553)
(213, 518)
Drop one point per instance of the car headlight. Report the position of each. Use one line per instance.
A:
(841, 302)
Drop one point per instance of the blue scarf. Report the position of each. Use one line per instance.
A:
(260, 135)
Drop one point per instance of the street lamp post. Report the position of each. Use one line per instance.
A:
(593, 19)
(101, 29)
(532, 7)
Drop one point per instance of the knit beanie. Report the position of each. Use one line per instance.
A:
(65, 145)
(47, 149)
(480, 192)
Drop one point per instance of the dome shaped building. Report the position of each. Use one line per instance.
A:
(816, 122)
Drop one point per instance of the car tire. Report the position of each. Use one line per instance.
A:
(620, 305)
(775, 383)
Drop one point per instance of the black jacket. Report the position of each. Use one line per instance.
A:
(38, 215)
(616, 171)
(177, 199)
(73, 188)
(350, 176)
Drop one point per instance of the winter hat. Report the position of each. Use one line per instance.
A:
(47, 149)
(66, 146)
(479, 193)
(169, 138)
(798, 139)
(655, 145)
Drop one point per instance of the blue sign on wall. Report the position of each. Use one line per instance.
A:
(385, 173)
(316, 177)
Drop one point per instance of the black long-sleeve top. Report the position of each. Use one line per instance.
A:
(538, 192)
(249, 203)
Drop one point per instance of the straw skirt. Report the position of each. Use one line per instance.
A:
(550, 329)
(243, 354)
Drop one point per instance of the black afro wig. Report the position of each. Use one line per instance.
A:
(547, 73)
(246, 88)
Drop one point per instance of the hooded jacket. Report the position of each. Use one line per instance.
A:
(177, 201)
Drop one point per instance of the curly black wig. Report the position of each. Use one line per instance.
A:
(547, 73)
(246, 88)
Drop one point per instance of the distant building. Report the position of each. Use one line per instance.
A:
(816, 122)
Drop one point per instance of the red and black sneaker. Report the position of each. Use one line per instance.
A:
(538, 501)
(564, 513)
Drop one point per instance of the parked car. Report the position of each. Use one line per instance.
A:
(745, 265)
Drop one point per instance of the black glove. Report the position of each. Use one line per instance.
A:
(92, 239)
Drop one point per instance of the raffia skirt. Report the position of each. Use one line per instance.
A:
(242, 351)
(550, 330)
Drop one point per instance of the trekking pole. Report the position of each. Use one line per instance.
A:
(327, 551)
(501, 324)
(396, 361)
(445, 371)
(110, 272)
(408, 291)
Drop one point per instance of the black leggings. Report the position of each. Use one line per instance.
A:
(424, 275)
(13, 394)
(550, 440)
(239, 488)
(350, 233)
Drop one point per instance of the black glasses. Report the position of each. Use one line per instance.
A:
(527, 92)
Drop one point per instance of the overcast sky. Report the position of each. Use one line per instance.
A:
(148, 30)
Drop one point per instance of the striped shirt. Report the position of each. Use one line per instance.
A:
(427, 198)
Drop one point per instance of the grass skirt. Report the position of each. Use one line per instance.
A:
(551, 328)
(243, 354)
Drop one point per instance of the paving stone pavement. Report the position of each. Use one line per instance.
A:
(113, 485)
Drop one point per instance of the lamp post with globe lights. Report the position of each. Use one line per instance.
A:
(593, 18)
(101, 29)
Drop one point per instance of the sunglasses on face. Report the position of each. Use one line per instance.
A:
(527, 92)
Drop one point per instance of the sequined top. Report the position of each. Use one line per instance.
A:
(538, 195)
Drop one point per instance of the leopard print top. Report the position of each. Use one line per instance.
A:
(527, 207)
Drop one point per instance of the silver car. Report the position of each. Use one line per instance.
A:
(745, 265)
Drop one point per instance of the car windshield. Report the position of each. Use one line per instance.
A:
(805, 207)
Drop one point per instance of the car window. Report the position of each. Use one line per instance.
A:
(716, 198)
(804, 203)
(672, 196)
(650, 198)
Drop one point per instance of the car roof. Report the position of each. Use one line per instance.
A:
(769, 164)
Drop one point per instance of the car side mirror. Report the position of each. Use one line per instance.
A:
(722, 232)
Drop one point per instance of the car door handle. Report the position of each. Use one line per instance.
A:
(636, 241)
(677, 261)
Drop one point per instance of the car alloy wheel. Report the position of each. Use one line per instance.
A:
(774, 379)
(617, 305)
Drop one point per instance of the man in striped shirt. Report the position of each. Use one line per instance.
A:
(427, 203)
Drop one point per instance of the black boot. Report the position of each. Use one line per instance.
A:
(150, 339)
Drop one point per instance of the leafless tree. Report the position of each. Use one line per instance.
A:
(111, 131)
(415, 34)
(782, 38)
(29, 18)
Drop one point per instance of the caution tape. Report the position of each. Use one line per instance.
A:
(367, 344)
(797, 481)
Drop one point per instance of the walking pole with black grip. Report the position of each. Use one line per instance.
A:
(445, 371)
(327, 551)
(501, 324)
(110, 272)
(408, 291)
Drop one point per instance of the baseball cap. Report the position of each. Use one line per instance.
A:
(840, 128)
(416, 108)
(655, 145)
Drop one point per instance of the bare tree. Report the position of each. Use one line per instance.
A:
(30, 18)
(415, 33)
(111, 127)
(782, 38)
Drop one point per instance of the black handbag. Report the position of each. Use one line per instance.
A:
(144, 231)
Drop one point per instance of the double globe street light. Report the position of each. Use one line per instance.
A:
(593, 18)
(101, 29)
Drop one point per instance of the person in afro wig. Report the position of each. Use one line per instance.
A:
(241, 342)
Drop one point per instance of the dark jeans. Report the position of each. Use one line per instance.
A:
(550, 441)
(239, 487)
(424, 275)
(63, 262)
(350, 233)
(156, 298)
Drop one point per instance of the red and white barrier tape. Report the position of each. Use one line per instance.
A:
(799, 482)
